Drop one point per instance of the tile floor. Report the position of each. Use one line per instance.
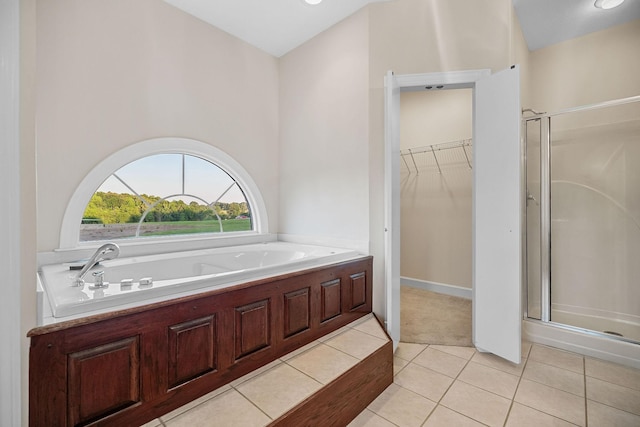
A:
(458, 386)
(433, 386)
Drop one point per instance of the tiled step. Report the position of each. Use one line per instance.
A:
(327, 382)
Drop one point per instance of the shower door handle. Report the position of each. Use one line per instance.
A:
(530, 197)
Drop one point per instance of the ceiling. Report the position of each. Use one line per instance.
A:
(547, 22)
(274, 26)
(278, 26)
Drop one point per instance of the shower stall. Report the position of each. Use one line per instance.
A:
(582, 216)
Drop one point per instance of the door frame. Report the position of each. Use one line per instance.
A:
(406, 83)
(394, 85)
(11, 391)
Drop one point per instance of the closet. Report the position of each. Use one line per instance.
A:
(436, 161)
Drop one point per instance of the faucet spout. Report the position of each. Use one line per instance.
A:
(104, 252)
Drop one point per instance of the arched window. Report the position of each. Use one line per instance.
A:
(167, 188)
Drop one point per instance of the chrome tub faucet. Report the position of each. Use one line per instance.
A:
(104, 252)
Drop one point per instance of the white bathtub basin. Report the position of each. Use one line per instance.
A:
(179, 273)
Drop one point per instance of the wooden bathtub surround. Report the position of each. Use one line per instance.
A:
(132, 366)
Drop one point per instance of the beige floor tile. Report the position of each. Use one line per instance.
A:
(333, 334)
(499, 363)
(409, 350)
(559, 358)
(523, 416)
(371, 326)
(360, 320)
(299, 351)
(367, 418)
(423, 381)
(549, 394)
(490, 379)
(256, 372)
(526, 348)
(552, 401)
(402, 407)
(279, 389)
(440, 361)
(356, 343)
(613, 373)
(552, 376)
(323, 363)
(600, 415)
(475, 403)
(195, 402)
(398, 365)
(613, 395)
(227, 409)
(463, 352)
(445, 417)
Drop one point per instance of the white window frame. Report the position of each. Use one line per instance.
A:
(70, 229)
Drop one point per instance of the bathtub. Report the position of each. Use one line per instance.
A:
(143, 279)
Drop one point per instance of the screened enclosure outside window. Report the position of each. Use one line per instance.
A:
(166, 194)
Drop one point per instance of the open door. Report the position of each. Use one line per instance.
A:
(497, 309)
(392, 205)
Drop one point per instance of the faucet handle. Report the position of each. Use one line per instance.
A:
(99, 279)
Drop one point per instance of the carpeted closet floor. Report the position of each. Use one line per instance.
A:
(431, 318)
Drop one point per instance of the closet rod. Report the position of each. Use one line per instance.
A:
(437, 147)
(432, 149)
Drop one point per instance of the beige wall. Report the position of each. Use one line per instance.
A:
(520, 55)
(324, 140)
(110, 74)
(421, 36)
(436, 207)
(597, 67)
(435, 117)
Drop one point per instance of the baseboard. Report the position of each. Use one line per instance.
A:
(441, 288)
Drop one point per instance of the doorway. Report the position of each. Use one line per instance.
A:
(436, 152)
(497, 204)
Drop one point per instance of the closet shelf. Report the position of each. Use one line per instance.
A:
(420, 157)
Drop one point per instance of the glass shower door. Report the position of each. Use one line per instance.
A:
(582, 214)
(595, 219)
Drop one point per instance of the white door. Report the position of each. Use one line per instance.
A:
(392, 205)
(497, 310)
(497, 313)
